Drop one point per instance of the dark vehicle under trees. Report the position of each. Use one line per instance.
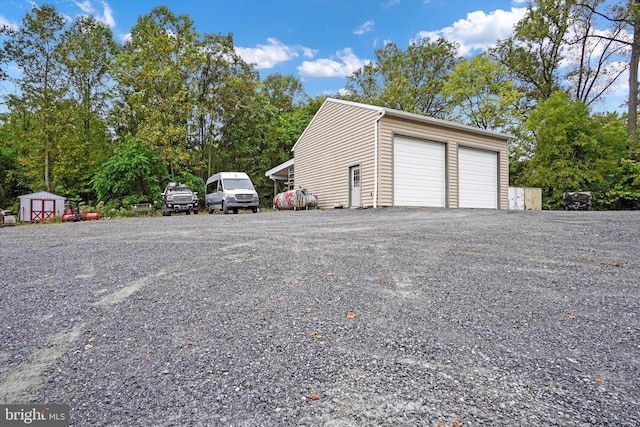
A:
(179, 198)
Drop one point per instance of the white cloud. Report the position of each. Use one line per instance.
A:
(308, 52)
(4, 22)
(85, 6)
(621, 86)
(347, 62)
(480, 30)
(107, 15)
(364, 28)
(269, 55)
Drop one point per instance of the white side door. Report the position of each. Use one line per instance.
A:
(355, 192)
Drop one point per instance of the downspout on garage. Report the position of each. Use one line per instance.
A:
(375, 159)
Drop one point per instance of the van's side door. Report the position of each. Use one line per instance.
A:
(217, 195)
(212, 190)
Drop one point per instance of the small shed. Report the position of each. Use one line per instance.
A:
(40, 206)
(525, 198)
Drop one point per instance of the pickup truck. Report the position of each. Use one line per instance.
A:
(179, 198)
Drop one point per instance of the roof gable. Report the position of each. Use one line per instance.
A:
(324, 107)
(405, 115)
(42, 195)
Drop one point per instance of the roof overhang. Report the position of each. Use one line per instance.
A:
(411, 116)
(280, 172)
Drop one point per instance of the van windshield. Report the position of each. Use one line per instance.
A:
(237, 184)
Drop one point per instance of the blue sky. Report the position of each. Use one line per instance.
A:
(318, 41)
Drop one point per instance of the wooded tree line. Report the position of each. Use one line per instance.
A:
(112, 123)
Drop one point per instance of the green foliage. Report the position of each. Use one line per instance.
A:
(133, 174)
(625, 190)
(410, 80)
(9, 186)
(481, 94)
(154, 73)
(33, 49)
(574, 151)
(284, 92)
(534, 53)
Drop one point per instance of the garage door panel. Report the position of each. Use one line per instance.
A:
(419, 173)
(478, 178)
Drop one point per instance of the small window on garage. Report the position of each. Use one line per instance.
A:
(356, 177)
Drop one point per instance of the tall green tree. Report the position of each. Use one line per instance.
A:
(624, 18)
(154, 74)
(218, 80)
(285, 92)
(534, 53)
(481, 94)
(410, 80)
(595, 60)
(365, 85)
(87, 50)
(33, 48)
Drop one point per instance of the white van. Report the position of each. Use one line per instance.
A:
(230, 191)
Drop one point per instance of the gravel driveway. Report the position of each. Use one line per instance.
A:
(387, 317)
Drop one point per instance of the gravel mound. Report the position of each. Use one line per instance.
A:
(381, 317)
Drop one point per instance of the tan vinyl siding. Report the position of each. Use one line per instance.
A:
(340, 136)
(453, 138)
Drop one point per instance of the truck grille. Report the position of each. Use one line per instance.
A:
(244, 197)
(182, 199)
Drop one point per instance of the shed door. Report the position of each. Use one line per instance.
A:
(418, 172)
(42, 210)
(478, 178)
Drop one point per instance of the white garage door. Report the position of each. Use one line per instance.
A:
(418, 172)
(478, 178)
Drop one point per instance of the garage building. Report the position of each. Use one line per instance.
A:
(360, 155)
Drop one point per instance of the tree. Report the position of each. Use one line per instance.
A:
(481, 94)
(219, 74)
(621, 17)
(155, 72)
(32, 47)
(595, 65)
(624, 193)
(534, 53)
(10, 186)
(573, 151)
(285, 92)
(133, 174)
(87, 50)
(365, 85)
(410, 80)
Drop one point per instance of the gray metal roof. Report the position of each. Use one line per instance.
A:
(424, 119)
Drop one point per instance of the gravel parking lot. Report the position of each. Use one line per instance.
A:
(386, 317)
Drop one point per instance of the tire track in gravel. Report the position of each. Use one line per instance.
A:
(31, 374)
